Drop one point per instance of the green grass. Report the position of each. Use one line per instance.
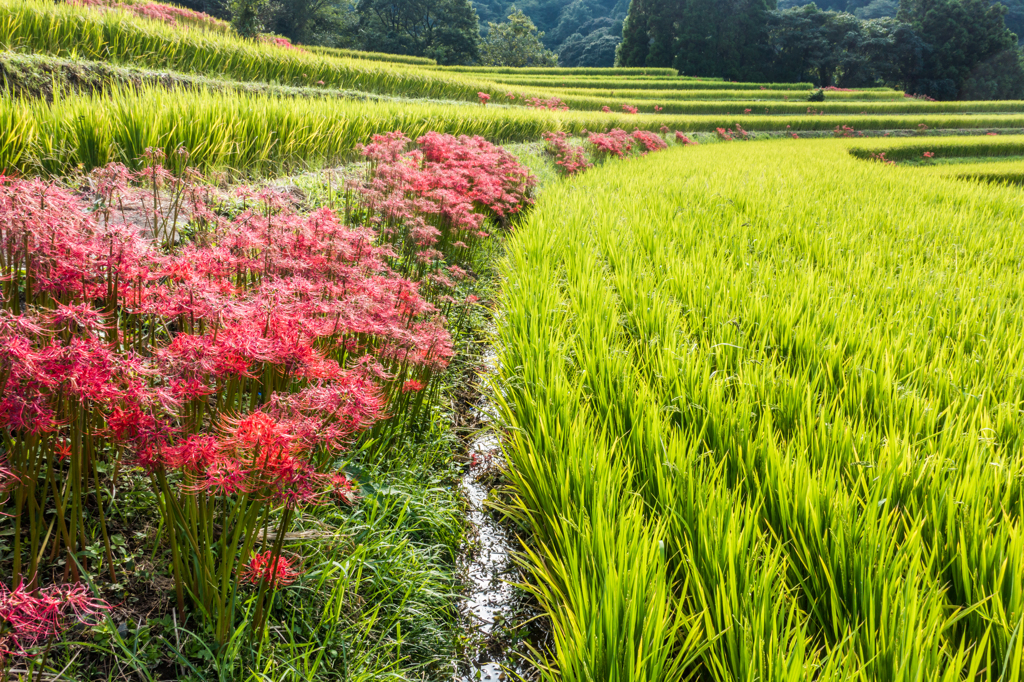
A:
(762, 405)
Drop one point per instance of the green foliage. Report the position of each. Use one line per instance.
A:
(515, 43)
(581, 32)
(836, 48)
(444, 30)
(698, 37)
(972, 53)
(315, 22)
(247, 17)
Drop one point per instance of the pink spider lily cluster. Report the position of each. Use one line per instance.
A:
(230, 365)
(570, 158)
(617, 142)
(281, 41)
(629, 109)
(483, 97)
(168, 14)
(551, 104)
(846, 131)
(31, 617)
(684, 140)
(727, 135)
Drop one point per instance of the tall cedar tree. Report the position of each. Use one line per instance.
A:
(445, 30)
(725, 38)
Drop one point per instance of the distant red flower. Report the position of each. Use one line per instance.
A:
(263, 567)
(681, 137)
(929, 155)
(484, 97)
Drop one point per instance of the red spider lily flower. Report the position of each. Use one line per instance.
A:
(510, 95)
(551, 104)
(657, 108)
(412, 386)
(343, 489)
(681, 137)
(319, 82)
(929, 155)
(747, 111)
(629, 109)
(649, 140)
(262, 567)
(570, 158)
(606, 109)
(29, 618)
(795, 136)
(484, 97)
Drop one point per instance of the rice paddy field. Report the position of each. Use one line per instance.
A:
(327, 365)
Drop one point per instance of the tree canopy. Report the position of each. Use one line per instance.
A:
(445, 30)
(515, 43)
(973, 54)
(726, 38)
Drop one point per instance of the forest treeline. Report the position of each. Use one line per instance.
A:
(944, 49)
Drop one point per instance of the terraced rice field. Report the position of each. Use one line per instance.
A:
(764, 417)
(755, 402)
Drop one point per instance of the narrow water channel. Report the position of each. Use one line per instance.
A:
(490, 599)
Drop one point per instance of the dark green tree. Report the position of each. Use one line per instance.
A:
(515, 43)
(973, 53)
(836, 48)
(636, 39)
(596, 48)
(724, 38)
(445, 30)
(248, 16)
(315, 22)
